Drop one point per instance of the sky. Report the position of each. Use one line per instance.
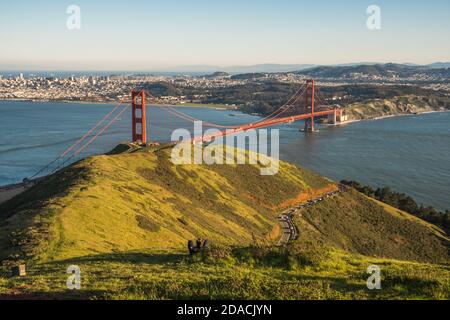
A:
(155, 35)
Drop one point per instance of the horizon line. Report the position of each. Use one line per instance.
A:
(206, 66)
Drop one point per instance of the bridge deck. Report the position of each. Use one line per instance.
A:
(260, 125)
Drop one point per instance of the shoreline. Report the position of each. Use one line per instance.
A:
(9, 190)
(399, 115)
(213, 107)
(384, 117)
(112, 103)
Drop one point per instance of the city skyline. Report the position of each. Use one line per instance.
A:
(156, 36)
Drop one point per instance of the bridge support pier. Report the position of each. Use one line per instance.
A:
(139, 117)
(339, 115)
(336, 117)
(310, 104)
(309, 125)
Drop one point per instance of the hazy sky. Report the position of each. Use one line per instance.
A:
(150, 35)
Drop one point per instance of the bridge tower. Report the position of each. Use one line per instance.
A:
(310, 104)
(139, 117)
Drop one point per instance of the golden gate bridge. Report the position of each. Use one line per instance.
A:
(307, 103)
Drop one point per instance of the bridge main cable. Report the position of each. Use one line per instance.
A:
(281, 110)
(78, 151)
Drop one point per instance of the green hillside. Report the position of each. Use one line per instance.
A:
(140, 200)
(125, 218)
(358, 224)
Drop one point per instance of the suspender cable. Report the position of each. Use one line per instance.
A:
(62, 155)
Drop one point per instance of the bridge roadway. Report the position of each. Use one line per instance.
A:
(259, 125)
(290, 230)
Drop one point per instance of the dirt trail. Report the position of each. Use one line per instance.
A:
(290, 230)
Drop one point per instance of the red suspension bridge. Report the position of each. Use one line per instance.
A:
(307, 103)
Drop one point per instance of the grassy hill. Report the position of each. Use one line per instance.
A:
(358, 224)
(402, 105)
(140, 200)
(124, 218)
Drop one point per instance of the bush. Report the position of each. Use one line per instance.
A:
(290, 258)
(405, 203)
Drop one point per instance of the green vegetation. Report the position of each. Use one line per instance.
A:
(218, 74)
(357, 224)
(249, 76)
(355, 93)
(251, 97)
(159, 89)
(125, 218)
(297, 272)
(87, 208)
(406, 203)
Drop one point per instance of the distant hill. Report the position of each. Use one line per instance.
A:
(264, 68)
(161, 89)
(282, 68)
(382, 70)
(269, 68)
(439, 65)
(218, 74)
(247, 76)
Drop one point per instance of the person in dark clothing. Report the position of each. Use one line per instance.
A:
(191, 247)
(199, 244)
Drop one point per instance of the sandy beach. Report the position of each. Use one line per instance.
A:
(7, 193)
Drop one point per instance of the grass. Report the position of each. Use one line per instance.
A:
(125, 218)
(245, 273)
(139, 200)
(356, 223)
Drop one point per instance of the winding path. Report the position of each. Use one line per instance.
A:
(290, 230)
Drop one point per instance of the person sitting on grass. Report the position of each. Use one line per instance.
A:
(199, 246)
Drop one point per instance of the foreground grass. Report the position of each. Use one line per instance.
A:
(248, 273)
(124, 219)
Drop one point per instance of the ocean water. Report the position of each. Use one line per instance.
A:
(409, 154)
